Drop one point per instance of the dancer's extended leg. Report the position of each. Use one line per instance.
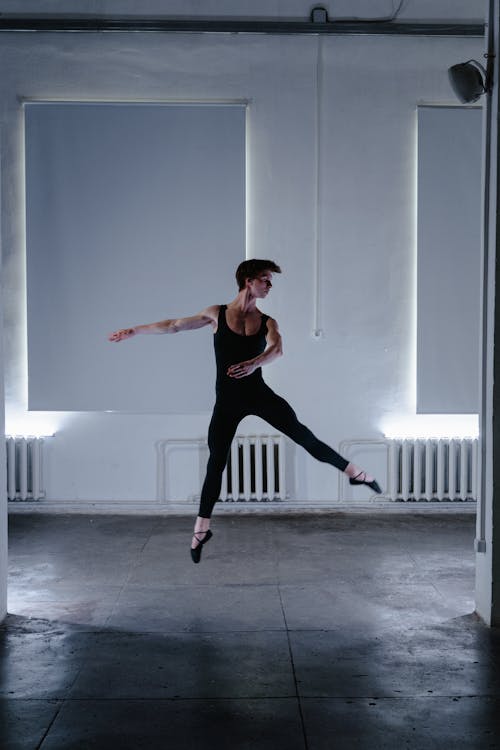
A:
(278, 412)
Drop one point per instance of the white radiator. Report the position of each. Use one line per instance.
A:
(441, 469)
(24, 468)
(255, 469)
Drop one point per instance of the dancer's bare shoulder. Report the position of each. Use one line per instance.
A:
(212, 313)
(272, 324)
(205, 317)
(208, 316)
(273, 331)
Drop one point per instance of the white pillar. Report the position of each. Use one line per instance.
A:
(3, 511)
(488, 517)
(3, 474)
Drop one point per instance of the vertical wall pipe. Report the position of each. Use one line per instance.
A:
(480, 542)
(317, 329)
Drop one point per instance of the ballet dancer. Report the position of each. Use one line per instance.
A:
(244, 340)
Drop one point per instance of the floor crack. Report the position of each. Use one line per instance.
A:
(299, 702)
(50, 725)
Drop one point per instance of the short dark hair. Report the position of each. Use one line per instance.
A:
(250, 269)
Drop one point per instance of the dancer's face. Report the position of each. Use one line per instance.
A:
(261, 285)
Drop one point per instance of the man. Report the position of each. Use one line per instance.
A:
(245, 339)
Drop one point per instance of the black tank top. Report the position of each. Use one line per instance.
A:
(231, 348)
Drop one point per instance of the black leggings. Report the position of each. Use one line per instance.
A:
(228, 413)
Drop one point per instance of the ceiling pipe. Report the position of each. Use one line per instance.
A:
(85, 24)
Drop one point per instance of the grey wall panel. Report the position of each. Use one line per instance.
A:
(135, 213)
(448, 276)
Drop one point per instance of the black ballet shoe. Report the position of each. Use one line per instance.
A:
(196, 552)
(373, 484)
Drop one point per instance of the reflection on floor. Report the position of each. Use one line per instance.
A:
(316, 632)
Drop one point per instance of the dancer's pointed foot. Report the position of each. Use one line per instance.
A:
(201, 537)
(364, 478)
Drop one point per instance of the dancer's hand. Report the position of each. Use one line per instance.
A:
(123, 333)
(242, 370)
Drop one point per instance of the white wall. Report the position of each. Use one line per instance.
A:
(411, 9)
(361, 374)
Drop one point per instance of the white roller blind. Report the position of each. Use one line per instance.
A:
(135, 213)
(448, 279)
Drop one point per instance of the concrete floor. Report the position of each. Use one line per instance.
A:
(319, 632)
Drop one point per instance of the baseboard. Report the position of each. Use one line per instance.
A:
(138, 507)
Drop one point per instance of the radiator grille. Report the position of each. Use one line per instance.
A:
(255, 469)
(444, 469)
(24, 468)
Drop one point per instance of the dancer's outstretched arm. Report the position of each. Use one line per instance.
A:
(206, 317)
